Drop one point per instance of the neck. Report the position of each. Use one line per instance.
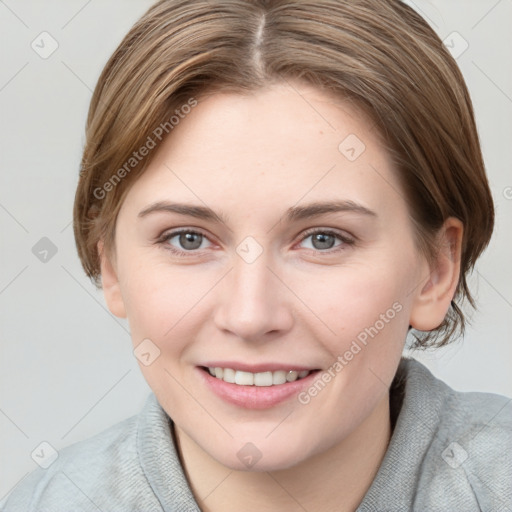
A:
(335, 480)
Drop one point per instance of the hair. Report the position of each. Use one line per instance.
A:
(379, 54)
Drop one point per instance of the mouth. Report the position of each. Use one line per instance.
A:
(261, 379)
(262, 389)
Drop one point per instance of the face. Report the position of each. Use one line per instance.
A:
(291, 251)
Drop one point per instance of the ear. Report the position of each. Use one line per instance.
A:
(110, 284)
(434, 296)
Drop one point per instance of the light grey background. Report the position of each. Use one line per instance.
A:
(67, 370)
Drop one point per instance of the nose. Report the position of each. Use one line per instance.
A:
(254, 304)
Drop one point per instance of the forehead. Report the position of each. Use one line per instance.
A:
(273, 118)
(288, 141)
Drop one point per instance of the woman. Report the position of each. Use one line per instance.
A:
(275, 193)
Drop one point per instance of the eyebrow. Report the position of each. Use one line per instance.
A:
(294, 213)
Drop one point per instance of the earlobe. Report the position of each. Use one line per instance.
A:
(110, 284)
(435, 294)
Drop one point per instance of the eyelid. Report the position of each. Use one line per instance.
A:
(171, 233)
(342, 235)
(176, 231)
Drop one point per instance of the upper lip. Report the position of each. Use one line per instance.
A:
(257, 368)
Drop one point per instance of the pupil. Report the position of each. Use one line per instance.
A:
(326, 241)
(187, 240)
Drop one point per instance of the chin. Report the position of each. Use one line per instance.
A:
(261, 456)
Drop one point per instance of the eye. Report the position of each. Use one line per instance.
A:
(187, 241)
(324, 239)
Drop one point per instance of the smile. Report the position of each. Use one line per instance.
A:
(268, 385)
(266, 378)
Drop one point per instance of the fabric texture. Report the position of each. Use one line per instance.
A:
(449, 452)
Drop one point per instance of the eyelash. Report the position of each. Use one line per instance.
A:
(347, 241)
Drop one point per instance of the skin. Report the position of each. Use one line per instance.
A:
(251, 157)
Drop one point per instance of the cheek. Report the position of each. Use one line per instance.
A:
(365, 308)
(160, 299)
(361, 303)
(160, 303)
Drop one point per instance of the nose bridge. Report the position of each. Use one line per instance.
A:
(251, 276)
(251, 279)
(251, 303)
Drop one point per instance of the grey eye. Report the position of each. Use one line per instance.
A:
(187, 240)
(190, 240)
(323, 240)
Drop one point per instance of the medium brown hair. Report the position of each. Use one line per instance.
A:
(379, 54)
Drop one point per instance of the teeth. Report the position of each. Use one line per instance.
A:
(278, 377)
(229, 375)
(257, 379)
(292, 375)
(244, 378)
(263, 379)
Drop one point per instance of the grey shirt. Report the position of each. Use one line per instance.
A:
(449, 452)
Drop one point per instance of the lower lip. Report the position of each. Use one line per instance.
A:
(255, 397)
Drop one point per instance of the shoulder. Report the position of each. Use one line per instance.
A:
(102, 472)
(481, 423)
(476, 432)
(469, 452)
